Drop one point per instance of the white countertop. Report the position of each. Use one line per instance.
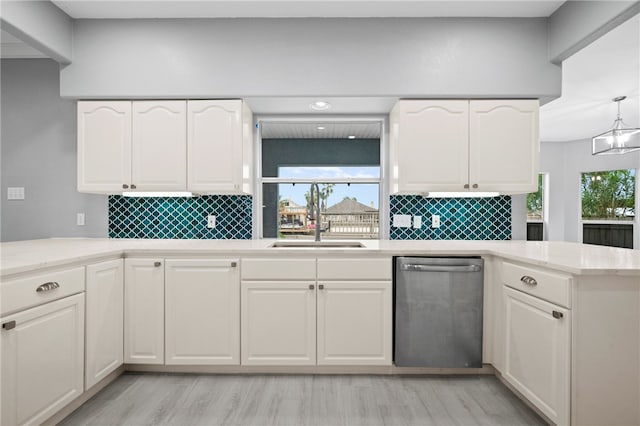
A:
(24, 256)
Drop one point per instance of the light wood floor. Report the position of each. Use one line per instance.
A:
(177, 399)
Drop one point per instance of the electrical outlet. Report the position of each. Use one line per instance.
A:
(211, 221)
(15, 193)
(435, 221)
(401, 221)
(417, 222)
(80, 219)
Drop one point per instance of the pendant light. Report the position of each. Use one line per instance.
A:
(620, 139)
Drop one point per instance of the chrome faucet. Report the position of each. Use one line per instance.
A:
(316, 203)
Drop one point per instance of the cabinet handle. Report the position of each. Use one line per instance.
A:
(320, 286)
(475, 185)
(466, 186)
(9, 325)
(125, 186)
(557, 315)
(529, 280)
(234, 264)
(51, 285)
(156, 264)
(133, 186)
(311, 287)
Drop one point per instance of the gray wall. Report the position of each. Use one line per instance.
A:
(39, 154)
(421, 57)
(41, 25)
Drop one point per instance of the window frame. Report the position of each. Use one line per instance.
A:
(383, 206)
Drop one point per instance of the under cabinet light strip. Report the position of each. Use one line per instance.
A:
(157, 194)
(460, 194)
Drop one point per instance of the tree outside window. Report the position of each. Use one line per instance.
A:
(609, 195)
(534, 202)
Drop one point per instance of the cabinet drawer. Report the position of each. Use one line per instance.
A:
(21, 293)
(354, 269)
(278, 269)
(551, 286)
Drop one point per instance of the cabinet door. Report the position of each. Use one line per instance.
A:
(159, 155)
(504, 145)
(354, 323)
(202, 319)
(104, 146)
(104, 320)
(215, 146)
(429, 146)
(537, 353)
(143, 311)
(42, 360)
(278, 323)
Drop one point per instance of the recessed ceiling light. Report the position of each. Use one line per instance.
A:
(351, 137)
(320, 106)
(320, 127)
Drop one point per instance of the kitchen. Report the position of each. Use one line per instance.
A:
(280, 67)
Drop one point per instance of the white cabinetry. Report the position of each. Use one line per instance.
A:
(461, 145)
(104, 320)
(104, 146)
(159, 154)
(537, 361)
(202, 317)
(42, 360)
(220, 146)
(354, 312)
(144, 311)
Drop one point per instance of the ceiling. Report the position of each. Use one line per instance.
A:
(319, 130)
(100, 9)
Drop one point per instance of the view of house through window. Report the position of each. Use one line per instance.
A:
(535, 225)
(608, 207)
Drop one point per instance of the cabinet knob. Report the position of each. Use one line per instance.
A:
(528, 280)
(133, 186)
(475, 185)
(557, 315)
(466, 186)
(125, 186)
(52, 285)
(321, 286)
(9, 325)
(157, 264)
(311, 287)
(234, 264)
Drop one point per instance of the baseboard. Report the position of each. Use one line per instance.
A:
(86, 395)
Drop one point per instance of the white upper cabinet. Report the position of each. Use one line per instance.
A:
(159, 154)
(201, 146)
(462, 145)
(220, 146)
(104, 146)
(430, 146)
(504, 148)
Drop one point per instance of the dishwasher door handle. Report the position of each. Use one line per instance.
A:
(440, 268)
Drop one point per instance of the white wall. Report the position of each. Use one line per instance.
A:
(564, 162)
(212, 58)
(39, 153)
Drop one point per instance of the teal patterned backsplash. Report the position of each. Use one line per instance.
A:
(460, 218)
(180, 217)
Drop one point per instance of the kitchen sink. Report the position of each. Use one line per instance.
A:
(318, 244)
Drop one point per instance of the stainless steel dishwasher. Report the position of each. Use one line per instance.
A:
(438, 312)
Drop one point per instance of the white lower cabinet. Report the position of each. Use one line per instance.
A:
(104, 320)
(354, 323)
(202, 311)
(143, 311)
(278, 323)
(537, 352)
(42, 360)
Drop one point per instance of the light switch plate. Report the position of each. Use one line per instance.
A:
(211, 221)
(435, 221)
(417, 222)
(15, 193)
(80, 219)
(402, 221)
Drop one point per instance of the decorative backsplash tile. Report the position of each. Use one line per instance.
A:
(180, 218)
(460, 218)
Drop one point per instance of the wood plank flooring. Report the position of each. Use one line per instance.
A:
(296, 400)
